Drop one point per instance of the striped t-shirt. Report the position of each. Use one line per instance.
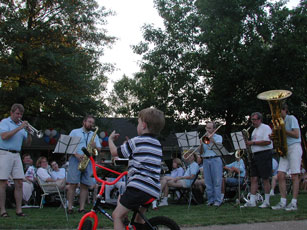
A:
(144, 168)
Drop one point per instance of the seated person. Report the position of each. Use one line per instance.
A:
(57, 173)
(93, 189)
(303, 179)
(43, 174)
(10, 188)
(29, 180)
(274, 176)
(233, 170)
(176, 172)
(184, 181)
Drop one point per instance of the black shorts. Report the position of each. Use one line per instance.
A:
(133, 198)
(261, 165)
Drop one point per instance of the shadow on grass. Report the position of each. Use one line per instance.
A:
(197, 215)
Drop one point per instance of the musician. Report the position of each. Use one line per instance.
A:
(74, 175)
(291, 162)
(213, 166)
(13, 133)
(236, 174)
(261, 164)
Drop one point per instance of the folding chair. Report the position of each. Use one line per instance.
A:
(49, 189)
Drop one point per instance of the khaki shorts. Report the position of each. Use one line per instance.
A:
(10, 165)
(292, 162)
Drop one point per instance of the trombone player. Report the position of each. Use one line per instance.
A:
(213, 165)
(13, 134)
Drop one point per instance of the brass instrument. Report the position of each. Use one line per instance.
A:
(83, 164)
(33, 131)
(187, 153)
(274, 98)
(239, 153)
(206, 139)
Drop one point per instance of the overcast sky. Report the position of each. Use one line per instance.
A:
(126, 25)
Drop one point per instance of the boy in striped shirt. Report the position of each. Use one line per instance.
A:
(145, 155)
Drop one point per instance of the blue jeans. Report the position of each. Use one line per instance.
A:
(213, 173)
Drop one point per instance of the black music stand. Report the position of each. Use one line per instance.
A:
(187, 140)
(66, 145)
(239, 144)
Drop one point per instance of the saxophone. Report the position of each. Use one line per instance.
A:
(83, 164)
(274, 98)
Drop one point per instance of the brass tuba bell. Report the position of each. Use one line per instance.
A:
(274, 98)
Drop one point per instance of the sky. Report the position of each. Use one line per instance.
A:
(126, 25)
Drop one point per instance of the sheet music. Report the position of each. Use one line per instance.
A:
(187, 139)
(238, 140)
(67, 144)
(219, 149)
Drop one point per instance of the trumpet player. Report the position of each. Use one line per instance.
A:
(213, 166)
(261, 164)
(13, 134)
(74, 175)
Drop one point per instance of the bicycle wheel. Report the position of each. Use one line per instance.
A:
(87, 225)
(162, 222)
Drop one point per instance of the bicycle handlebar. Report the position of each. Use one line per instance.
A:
(94, 165)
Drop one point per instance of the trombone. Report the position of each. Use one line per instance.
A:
(33, 131)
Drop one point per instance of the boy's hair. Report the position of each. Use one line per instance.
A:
(17, 106)
(154, 119)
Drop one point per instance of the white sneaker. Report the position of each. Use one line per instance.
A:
(272, 193)
(279, 206)
(154, 204)
(249, 204)
(163, 202)
(264, 205)
(291, 207)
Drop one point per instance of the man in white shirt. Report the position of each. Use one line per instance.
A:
(261, 165)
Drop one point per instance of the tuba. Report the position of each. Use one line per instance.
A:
(274, 98)
(83, 164)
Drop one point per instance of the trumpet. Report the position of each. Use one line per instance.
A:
(33, 131)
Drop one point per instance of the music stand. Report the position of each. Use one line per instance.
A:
(239, 144)
(187, 140)
(66, 145)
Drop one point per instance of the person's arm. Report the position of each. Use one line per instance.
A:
(295, 133)
(8, 134)
(113, 149)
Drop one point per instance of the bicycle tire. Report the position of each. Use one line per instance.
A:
(162, 222)
(87, 225)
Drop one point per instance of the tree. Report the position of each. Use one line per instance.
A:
(49, 58)
(214, 57)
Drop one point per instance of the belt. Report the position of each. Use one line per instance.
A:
(12, 151)
(210, 157)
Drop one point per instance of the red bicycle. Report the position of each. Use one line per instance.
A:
(90, 220)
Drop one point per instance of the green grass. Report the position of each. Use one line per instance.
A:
(197, 215)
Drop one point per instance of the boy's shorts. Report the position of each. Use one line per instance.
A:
(133, 198)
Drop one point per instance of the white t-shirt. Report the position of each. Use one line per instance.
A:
(261, 134)
(43, 174)
(59, 174)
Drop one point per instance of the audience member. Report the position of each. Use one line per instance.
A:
(184, 181)
(57, 173)
(274, 176)
(43, 174)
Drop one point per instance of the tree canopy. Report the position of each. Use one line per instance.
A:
(214, 57)
(50, 58)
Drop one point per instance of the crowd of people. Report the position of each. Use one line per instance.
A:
(145, 156)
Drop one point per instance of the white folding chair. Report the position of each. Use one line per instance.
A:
(49, 189)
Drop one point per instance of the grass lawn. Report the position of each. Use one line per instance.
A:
(197, 215)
